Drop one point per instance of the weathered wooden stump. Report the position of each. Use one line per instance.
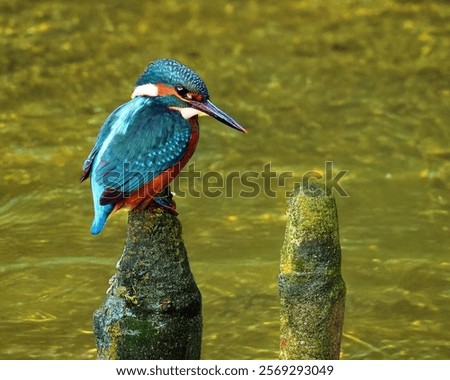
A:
(153, 308)
(312, 290)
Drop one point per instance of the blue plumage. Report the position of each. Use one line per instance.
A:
(145, 142)
(138, 141)
(173, 73)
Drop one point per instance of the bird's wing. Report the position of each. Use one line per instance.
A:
(144, 140)
(104, 132)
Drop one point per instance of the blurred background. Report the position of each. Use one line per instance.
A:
(364, 84)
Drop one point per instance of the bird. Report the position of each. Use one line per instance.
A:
(144, 143)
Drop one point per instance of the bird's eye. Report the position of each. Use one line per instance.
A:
(183, 92)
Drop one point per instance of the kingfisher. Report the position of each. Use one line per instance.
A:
(144, 143)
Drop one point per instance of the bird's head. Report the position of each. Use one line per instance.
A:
(183, 90)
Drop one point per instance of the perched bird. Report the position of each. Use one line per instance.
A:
(144, 143)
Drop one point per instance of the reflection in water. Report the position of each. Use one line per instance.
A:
(364, 85)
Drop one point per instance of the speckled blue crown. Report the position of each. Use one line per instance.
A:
(172, 73)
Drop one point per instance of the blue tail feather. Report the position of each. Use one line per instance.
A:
(101, 214)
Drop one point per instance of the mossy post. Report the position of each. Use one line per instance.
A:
(152, 309)
(312, 290)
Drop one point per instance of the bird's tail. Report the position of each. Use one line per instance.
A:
(101, 214)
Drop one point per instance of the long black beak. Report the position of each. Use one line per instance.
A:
(210, 109)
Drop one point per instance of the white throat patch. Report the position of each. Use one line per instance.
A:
(188, 112)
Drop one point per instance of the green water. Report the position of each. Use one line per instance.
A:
(364, 84)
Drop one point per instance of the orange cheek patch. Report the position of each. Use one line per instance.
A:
(165, 90)
(197, 97)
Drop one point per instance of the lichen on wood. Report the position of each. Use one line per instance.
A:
(153, 307)
(312, 290)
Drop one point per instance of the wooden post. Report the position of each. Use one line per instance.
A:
(312, 290)
(153, 308)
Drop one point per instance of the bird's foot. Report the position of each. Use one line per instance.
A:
(165, 201)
